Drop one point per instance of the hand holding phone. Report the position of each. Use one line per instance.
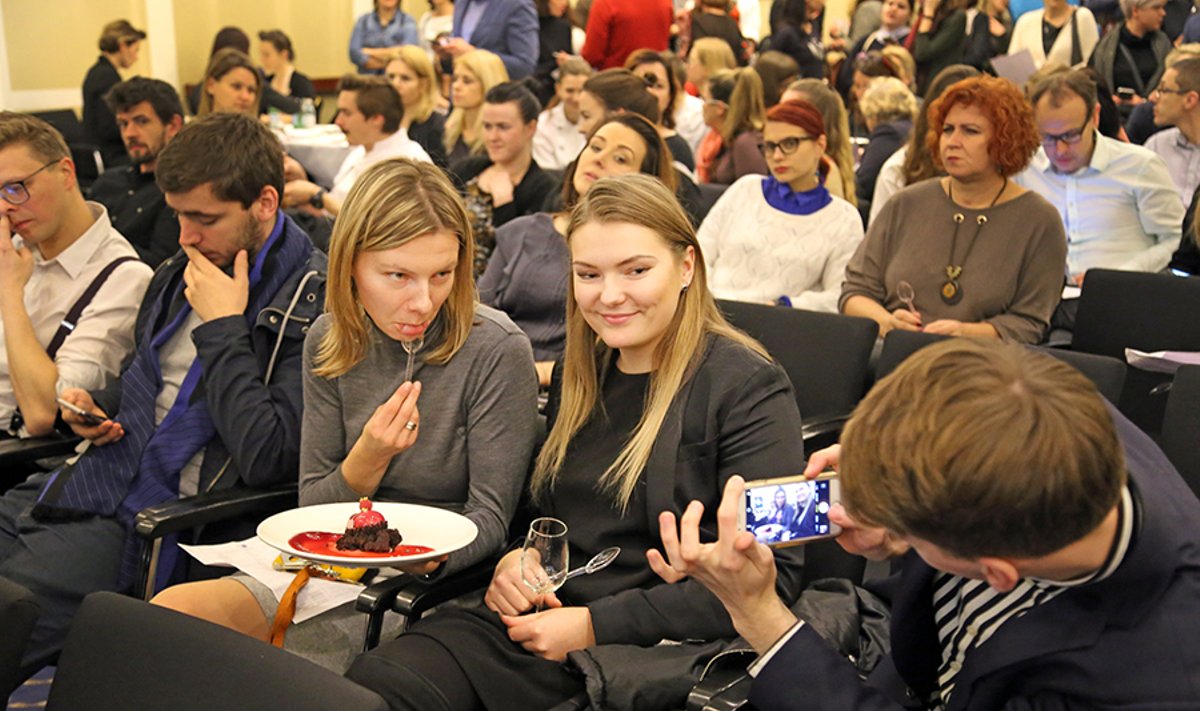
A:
(88, 417)
(792, 510)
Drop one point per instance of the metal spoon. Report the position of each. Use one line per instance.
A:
(904, 291)
(599, 562)
(411, 348)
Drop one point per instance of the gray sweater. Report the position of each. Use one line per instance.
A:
(478, 424)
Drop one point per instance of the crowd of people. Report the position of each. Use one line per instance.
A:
(544, 197)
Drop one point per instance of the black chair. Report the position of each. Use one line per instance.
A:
(18, 613)
(825, 356)
(126, 654)
(65, 121)
(19, 457)
(1149, 312)
(1107, 374)
(709, 194)
(1180, 438)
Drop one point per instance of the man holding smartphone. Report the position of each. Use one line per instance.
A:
(211, 398)
(1044, 542)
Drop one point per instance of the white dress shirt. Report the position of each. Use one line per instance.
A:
(756, 253)
(557, 141)
(1121, 211)
(93, 352)
(889, 182)
(1182, 158)
(397, 145)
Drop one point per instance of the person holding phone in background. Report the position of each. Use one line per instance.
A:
(1002, 479)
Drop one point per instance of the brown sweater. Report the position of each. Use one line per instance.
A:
(1012, 278)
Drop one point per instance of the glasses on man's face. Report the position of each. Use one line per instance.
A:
(1070, 138)
(15, 193)
(1168, 90)
(787, 146)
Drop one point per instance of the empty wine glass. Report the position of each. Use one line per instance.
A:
(544, 557)
(904, 291)
(411, 347)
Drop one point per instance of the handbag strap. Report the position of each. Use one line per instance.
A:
(1139, 83)
(1076, 49)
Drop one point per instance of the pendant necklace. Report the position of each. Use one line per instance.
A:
(951, 290)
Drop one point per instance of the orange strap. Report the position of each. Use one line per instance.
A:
(287, 606)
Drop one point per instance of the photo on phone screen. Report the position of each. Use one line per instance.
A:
(779, 512)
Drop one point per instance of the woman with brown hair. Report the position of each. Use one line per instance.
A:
(938, 39)
(456, 431)
(655, 70)
(735, 114)
(231, 83)
(1003, 246)
(657, 401)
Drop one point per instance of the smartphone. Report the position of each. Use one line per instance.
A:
(791, 510)
(87, 416)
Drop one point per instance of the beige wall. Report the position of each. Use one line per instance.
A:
(46, 52)
(320, 31)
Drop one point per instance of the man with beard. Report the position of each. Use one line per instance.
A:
(70, 284)
(149, 114)
(211, 398)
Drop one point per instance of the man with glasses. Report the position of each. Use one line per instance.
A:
(1177, 104)
(1118, 204)
(67, 300)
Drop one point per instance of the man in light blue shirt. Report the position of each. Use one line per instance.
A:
(1118, 203)
(1177, 103)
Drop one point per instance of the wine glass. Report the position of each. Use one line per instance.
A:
(411, 347)
(544, 557)
(904, 292)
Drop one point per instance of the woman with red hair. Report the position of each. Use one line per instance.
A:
(972, 253)
(782, 239)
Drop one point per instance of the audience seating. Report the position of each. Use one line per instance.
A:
(1149, 312)
(1107, 374)
(18, 613)
(1180, 438)
(88, 163)
(124, 654)
(19, 457)
(825, 356)
(709, 194)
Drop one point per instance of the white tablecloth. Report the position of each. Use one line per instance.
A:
(320, 150)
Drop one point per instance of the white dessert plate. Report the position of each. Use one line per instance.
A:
(439, 530)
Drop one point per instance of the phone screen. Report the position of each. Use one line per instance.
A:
(777, 513)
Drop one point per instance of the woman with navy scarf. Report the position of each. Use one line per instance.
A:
(783, 239)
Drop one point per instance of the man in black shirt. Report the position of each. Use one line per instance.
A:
(119, 46)
(149, 114)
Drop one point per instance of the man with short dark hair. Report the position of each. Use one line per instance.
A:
(1045, 544)
(1119, 206)
(1177, 105)
(119, 46)
(369, 112)
(70, 284)
(149, 114)
(211, 398)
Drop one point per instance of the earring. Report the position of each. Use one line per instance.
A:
(684, 289)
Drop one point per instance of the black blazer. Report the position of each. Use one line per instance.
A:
(736, 414)
(428, 134)
(1127, 642)
(99, 123)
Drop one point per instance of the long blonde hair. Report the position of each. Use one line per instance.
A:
(640, 200)
(837, 129)
(742, 90)
(417, 60)
(391, 203)
(489, 70)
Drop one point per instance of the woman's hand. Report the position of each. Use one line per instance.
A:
(904, 320)
(552, 633)
(386, 434)
(424, 567)
(945, 327)
(496, 181)
(508, 594)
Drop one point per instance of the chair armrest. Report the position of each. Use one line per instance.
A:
(821, 432)
(413, 597)
(724, 684)
(183, 514)
(51, 445)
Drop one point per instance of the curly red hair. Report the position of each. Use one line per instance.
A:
(1014, 134)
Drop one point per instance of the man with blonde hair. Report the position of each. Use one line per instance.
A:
(1044, 541)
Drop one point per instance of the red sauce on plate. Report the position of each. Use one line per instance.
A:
(322, 543)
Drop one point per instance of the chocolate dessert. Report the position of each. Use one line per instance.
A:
(368, 530)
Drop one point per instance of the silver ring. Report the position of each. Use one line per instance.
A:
(410, 426)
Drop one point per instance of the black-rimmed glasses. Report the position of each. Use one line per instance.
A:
(15, 193)
(787, 146)
(1070, 138)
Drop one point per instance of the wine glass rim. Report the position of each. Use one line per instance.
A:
(547, 526)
